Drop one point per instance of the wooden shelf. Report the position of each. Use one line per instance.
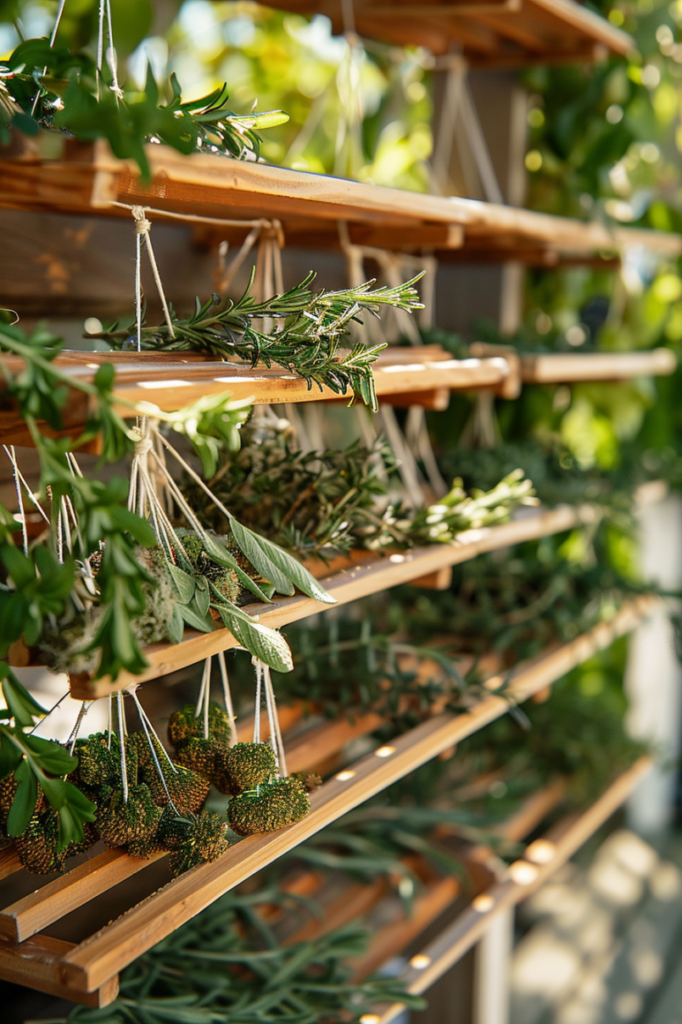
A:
(421, 375)
(308, 206)
(562, 842)
(574, 367)
(370, 576)
(87, 971)
(489, 33)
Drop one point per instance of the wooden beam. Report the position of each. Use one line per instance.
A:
(569, 367)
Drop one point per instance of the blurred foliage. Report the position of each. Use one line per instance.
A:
(361, 112)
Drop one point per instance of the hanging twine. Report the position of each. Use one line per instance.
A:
(256, 711)
(228, 698)
(143, 228)
(122, 744)
(151, 736)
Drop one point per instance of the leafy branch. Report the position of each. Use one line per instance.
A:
(307, 341)
(36, 765)
(50, 87)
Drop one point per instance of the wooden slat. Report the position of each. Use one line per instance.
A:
(389, 941)
(457, 939)
(492, 34)
(38, 964)
(173, 381)
(9, 862)
(207, 186)
(372, 577)
(569, 367)
(88, 965)
(58, 898)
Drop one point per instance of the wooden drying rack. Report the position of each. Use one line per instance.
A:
(404, 376)
(420, 375)
(88, 180)
(357, 899)
(370, 575)
(559, 844)
(489, 33)
(87, 972)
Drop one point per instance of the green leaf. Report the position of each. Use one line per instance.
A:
(184, 583)
(73, 809)
(22, 706)
(289, 567)
(223, 557)
(249, 544)
(24, 801)
(50, 756)
(204, 623)
(176, 626)
(202, 597)
(10, 755)
(262, 642)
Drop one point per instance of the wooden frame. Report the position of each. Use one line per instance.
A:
(489, 33)
(210, 188)
(91, 966)
(559, 844)
(370, 576)
(419, 375)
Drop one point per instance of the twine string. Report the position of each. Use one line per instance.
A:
(142, 230)
(227, 695)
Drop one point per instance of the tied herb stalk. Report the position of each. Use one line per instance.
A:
(307, 341)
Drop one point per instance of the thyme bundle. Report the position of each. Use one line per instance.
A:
(325, 502)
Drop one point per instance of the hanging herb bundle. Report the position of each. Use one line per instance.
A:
(309, 502)
(327, 502)
(308, 340)
(47, 86)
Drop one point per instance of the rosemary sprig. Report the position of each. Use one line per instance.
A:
(307, 341)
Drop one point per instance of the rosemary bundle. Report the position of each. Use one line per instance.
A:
(311, 329)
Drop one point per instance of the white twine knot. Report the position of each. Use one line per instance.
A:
(142, 225)
(143, 446)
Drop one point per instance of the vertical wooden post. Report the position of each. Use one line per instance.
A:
(653, 675)
(491, 973)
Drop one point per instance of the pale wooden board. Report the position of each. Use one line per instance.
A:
(458, 938)
(101, 956)
(371, 577)
(566, 368)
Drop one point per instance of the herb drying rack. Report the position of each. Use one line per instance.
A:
(86, 972)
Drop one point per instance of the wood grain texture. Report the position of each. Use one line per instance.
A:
(566, 838)
(371, 577)
(78, 886)
(38, 964)
(101, 956)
